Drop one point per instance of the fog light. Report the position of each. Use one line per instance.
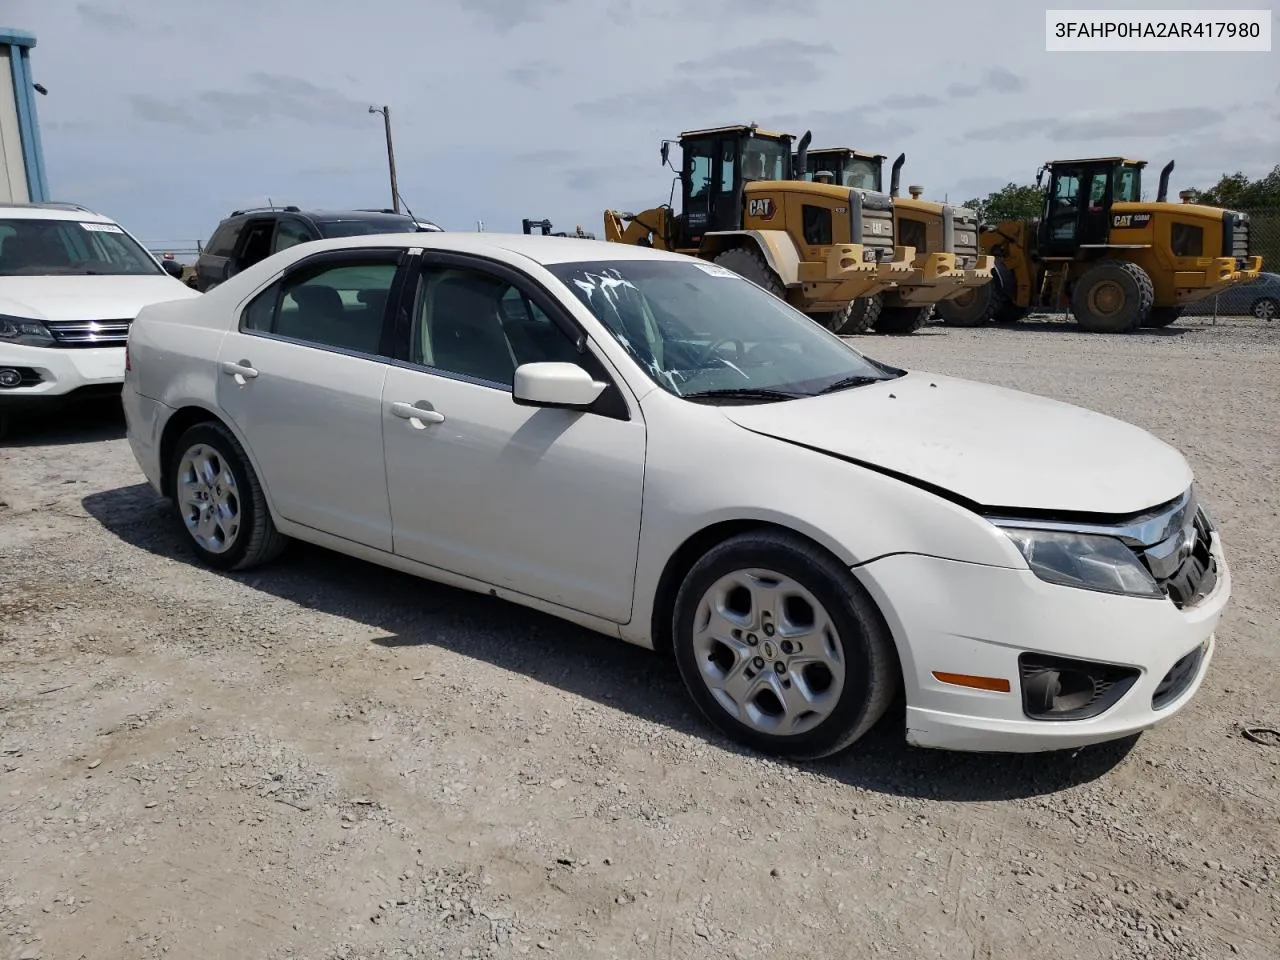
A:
(1055, 688)
(10, 377)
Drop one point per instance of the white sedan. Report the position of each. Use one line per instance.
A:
(655, 448)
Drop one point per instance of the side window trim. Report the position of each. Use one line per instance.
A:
(615, 402)
(398, 256)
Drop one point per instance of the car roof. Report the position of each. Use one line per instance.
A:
(348, 214)
(535, 247)
(51, 211)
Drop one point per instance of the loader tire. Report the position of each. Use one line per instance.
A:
(858, 316)
(973, 308)
(901, 321)
(1114, 296)
(748, 263)
(1162, 316)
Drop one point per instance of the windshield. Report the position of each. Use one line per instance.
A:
(765, 159)
(862, 173)
(697, 328)
(375, 223)
(1127, 185)
(42, 248)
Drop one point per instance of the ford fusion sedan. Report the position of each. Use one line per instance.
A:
(71, 282)
(657, 449)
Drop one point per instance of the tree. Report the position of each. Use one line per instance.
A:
(1011, 202)
(1237, 191)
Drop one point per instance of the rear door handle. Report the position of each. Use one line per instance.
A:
(409, 411)
(240, 368)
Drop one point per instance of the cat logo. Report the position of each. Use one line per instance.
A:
(762, 208)
(877, 227)
(1131, 221)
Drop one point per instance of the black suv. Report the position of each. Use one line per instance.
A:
(247, 236)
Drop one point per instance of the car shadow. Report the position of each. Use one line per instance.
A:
(84, 422)
(415, 612)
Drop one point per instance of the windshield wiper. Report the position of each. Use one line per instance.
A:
(743, 393)
(859, 380)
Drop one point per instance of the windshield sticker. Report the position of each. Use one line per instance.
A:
(102, 227)
(715, 270)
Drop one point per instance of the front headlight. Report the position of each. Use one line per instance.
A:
(24, 332)
(1084, 560)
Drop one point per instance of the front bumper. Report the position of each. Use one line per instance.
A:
(949, 617)
(1217, 275)
(50, 374)
(937, 276)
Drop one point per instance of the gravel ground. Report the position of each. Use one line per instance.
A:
(325, 759)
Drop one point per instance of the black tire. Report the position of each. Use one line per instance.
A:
(1265, 308)
(901, 321)
(748, 263)
(872, 675)
(972, 308)
(858, 316)
(257, 541)
(1136, 295)
(1162, 317)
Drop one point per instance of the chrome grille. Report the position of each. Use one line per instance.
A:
(966, 239)
(1182, 563)
(1240, 237)
(89, 333)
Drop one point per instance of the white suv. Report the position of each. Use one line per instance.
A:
(71, 283)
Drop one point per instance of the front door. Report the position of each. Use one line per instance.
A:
(1079, 205)
(301, 379)
(543, 502)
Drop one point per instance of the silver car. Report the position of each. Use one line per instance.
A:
(1258, 298)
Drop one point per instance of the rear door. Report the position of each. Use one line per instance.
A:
(301, 378)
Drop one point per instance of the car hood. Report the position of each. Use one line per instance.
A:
(992, 446)
(87, 298)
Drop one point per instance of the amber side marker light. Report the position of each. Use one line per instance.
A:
(994, 684)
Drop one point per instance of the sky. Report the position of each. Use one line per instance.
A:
(167, 115)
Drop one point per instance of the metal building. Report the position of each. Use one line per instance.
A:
(21, 158)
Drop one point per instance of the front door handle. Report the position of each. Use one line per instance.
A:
(240, 368)
(409, 411)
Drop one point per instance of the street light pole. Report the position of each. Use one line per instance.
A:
(391, 156)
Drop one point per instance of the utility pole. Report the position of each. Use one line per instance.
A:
(391, 156)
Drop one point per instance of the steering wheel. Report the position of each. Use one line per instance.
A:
(707, 351)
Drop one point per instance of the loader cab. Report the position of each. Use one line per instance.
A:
(848, 167)
(717, 163)
(1077, 205)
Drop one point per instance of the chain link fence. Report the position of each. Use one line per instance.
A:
(1264, 236)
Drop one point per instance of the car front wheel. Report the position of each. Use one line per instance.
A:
(781, 647)
(219, 500)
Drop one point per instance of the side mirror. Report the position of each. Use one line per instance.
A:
(173, 268)
(666, 152)
(554, 384)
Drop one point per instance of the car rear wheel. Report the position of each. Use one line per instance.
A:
(781, 648)
(1265, 308)
(219, 500)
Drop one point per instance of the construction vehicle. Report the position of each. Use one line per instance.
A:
(744, 206)
(1117, 262)
(544, 227)
(945, 237)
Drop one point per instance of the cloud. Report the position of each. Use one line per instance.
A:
(277, 97)
(104, 18)
(859, 127)
(919, 101)
(550, 156)
(506, 15)
(533, 74)
(1137, 123)
(154, 110)
(766, 63)
(661, 103)
(994, 80)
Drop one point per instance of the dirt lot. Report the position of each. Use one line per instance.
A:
(328, 760)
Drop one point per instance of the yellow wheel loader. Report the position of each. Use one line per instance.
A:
(819, 247)
(1117, 262)
(945, 237)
